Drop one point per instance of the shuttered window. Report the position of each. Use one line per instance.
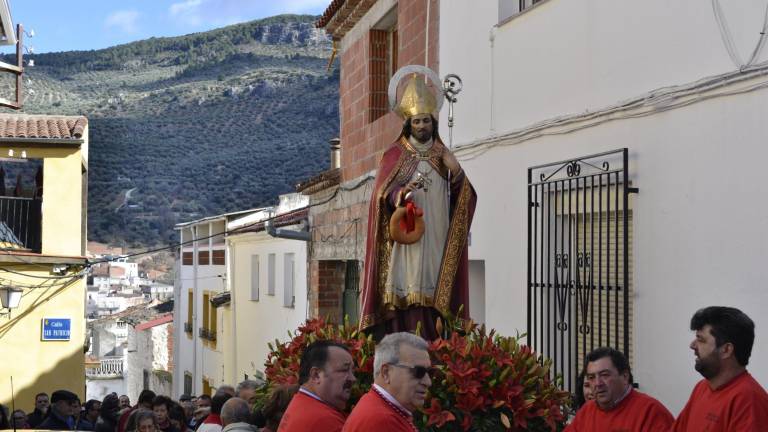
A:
(203, 257)
(219, 257)
(187, 258)
(288, 280)
(271, 274)
(254, 277)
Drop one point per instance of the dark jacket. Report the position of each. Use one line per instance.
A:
(105, 425)
(85, 425)
(36, 417)
(54, 422)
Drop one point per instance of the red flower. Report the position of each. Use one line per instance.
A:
(437, 416)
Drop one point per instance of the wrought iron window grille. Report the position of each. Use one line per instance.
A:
(579, 265)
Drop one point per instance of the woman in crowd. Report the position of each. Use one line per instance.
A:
(275, 407)
(145, 421)
(107, 421)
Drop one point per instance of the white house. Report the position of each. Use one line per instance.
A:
(238, 287)
(200, 276)
(267, 279)
(549, 93)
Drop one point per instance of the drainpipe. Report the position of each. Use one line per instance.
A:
(286, 233)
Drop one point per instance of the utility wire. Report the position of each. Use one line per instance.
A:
(237, 230)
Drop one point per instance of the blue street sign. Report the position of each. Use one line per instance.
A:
(56, 329)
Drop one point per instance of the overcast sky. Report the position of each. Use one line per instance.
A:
(65, 25)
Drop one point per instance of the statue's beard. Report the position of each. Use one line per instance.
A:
(422, 136)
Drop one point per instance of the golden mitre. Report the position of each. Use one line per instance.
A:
(417, 99)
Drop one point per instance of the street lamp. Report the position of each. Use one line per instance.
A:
(10, 297)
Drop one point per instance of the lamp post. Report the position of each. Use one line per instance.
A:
(10, 297)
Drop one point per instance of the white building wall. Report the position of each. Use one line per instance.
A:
(258, 322)
(699, 225)
(148, 353)
(99, 388)
(184, 343)
(196, 357)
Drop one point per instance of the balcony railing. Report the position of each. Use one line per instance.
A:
(20, 223)
(108, 368)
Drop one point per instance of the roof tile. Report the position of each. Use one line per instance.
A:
(42, 126)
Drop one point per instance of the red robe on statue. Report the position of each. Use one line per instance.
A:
(374, 413)
(306, 413)
(383, 316)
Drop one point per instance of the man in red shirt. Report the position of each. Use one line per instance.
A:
(616, 406)
(728, 398)
(401, 368)
(326, 375)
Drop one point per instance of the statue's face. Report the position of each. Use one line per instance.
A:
(421, 127)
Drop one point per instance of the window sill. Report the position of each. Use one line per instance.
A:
(521, 13)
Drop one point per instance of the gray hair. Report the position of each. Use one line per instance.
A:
(247, 384)
(235, 410)
(141, 415)
(225, 389)
(388, 350)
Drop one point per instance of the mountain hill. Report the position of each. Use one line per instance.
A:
(196, 125)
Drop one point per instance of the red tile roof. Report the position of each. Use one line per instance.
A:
(330, 11)
(42, 126)
(155, 322)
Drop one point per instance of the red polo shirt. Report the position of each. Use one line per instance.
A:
(637, 412)
(740, 405)
(307, 414)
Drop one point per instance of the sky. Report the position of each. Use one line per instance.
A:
(66, 25)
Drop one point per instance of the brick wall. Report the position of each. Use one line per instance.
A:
(362, 64)
(339, 226)
(326, 300)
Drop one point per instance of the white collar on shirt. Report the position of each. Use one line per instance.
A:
(391, 398)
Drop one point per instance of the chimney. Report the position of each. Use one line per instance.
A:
(335, 153)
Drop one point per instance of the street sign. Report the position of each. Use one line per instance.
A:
(56, 329)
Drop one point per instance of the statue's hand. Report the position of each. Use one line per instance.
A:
(450, 162)
(410, 187)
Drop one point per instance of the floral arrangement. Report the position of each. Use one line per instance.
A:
(485, 382)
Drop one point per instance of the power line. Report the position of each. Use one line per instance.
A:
(359, 184)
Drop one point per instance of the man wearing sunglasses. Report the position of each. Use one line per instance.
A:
(401, 369)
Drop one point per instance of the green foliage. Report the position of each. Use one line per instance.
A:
(193, 125)
(484, 381)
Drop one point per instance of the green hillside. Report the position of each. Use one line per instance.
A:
(194, 125)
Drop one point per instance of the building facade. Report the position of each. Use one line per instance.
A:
(267, 280)
(244, 300)
(201, 273)
(617, 159)
(43, 234)
(373, 39)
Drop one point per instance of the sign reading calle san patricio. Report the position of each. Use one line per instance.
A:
(56, 329)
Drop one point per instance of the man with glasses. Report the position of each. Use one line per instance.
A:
(401, 370)
(326, 375)
(616, 405)
(41, 410)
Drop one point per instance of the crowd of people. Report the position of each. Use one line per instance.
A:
(229, 410)
(727, 399)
